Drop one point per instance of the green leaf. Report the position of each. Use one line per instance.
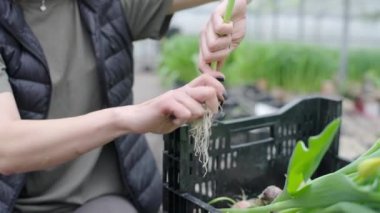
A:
(305, 161)
(323, 192)
(335, 192)
(346, 207)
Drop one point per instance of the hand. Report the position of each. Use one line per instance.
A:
(218, 39)
(169, 111)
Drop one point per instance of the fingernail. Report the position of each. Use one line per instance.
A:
(220, 79)
(225, 96)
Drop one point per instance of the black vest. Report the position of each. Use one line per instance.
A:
(29, 77)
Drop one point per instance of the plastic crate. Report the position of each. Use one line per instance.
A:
(245, 154)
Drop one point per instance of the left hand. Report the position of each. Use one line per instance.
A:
(170, 110)
(218, 39)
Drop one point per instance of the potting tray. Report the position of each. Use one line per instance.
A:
(245, 155)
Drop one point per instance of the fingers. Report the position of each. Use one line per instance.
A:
(206, 68)
(213, 49)
(218, 25)
(215, 42)
(239, 33)
(204, 95)
(188, 103)
(209, 55)
(196, 109)
(211, 81)
(178, 112)
(218, 39)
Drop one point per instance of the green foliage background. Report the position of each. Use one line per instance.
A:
(293, 67)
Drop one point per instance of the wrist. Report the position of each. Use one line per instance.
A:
(118, 117)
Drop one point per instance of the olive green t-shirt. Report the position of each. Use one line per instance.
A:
(76, 91)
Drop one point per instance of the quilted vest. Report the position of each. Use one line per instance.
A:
(30, 81)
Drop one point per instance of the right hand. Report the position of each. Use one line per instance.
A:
(169, 111)
(219, 39)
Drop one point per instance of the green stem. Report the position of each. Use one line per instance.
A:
(226, 18)
(275, 207)
(222, 199)
(214, 65)
(229, 10)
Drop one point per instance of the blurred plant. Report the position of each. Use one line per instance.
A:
(294, 67)
(364, 62)
(178, 62)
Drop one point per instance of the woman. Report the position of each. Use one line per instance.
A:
(69, 135)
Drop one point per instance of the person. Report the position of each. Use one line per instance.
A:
(70, 137)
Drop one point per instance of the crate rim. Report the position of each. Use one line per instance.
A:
(283, 109)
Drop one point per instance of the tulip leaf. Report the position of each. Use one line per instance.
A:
(305, 160)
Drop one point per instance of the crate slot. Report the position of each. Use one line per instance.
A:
(209, 164)
(234, 157)
(251, 137)
(229, 160)
(251, 143)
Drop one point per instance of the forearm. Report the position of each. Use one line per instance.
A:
(28, 145)
(184, 4)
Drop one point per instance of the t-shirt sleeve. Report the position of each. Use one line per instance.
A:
(4, 83)
(147, 18)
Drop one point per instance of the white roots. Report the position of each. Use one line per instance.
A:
(201, 132)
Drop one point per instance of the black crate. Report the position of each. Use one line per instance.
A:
(245, 154)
